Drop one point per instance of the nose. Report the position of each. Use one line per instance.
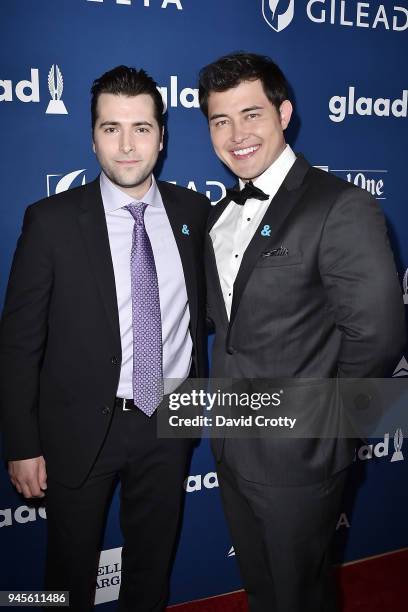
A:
(238, 133)
(126, 142)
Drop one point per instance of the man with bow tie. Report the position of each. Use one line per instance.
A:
(295, 290)
(103, 318)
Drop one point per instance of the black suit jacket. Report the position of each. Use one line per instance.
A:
(319, 298)
(60, 347)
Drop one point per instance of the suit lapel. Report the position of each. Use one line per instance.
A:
(211, 262)
(216, 213)
(92, 222)
(175, 210)
(213, 279)
(278, 210)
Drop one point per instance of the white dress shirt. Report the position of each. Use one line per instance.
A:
(235, 228)
(175, 313)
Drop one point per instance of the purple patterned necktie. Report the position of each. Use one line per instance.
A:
(146, 318)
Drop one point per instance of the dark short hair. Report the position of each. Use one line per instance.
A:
(126, 81)
(235, 68)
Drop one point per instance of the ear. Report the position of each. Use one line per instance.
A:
(285, 113)
(161, 139)
(93, 146)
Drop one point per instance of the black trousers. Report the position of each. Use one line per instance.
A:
(282, 540)
(151, 472)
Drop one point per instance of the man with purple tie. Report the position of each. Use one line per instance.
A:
(103, 318)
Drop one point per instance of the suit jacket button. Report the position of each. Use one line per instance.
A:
(106, 410)
(114, 360)
(231, 350)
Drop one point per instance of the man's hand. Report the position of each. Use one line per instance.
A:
(29, 476)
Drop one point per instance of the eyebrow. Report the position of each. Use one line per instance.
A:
(251, 108)
(244, 110)
(217, 116)
(135, 124)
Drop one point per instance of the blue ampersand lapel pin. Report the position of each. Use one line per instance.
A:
(185, 230)
(266, 231)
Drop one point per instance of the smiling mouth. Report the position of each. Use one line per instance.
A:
(245, 153)
(127, 162)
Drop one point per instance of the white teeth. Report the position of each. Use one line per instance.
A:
(245, 151)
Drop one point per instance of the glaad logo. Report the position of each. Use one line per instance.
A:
(164, 3)
(401, 371)
(109, 574)
(29, 90)
(56, 184)
(22, 514)
(195, 483)
(368, 451)
(219, 186)
(188, 97)
(340, 106)
(275, 15)
(405, 286)
(398, 440)
(25, 90)
(56, 85)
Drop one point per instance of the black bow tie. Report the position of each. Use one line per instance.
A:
(249, 191)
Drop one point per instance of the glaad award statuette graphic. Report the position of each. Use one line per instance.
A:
(274, 17)
(398, 440)
(56, 85)
(405, 286)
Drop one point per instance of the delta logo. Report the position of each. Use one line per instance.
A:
(401, 371)
(146, 3)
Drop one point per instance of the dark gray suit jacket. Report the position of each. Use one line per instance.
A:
(327, 304)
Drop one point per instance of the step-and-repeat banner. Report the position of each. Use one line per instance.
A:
(346, 64)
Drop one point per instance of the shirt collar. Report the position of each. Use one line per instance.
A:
(114, 198)
(276, 173)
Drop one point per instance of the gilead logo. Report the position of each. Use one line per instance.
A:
(278, 14)
(350, 104)
(358, 14)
